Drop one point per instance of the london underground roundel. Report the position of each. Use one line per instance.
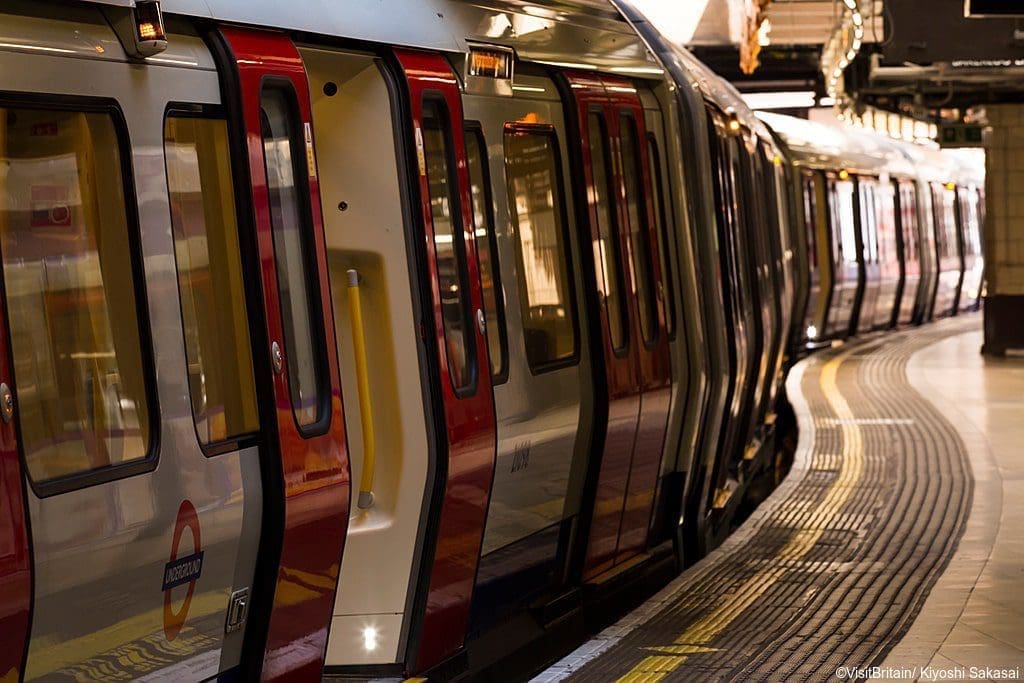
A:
(182, 570)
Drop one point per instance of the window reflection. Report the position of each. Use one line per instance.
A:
(483, 220)
(844, 215)
(292, 255)
(449, 248)
(70, 293)
(908, 214)
(535, 199)
(216, 324)
(606, 248)
(639, 246)
(661, 217)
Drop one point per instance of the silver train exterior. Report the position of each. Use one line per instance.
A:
(564, 257)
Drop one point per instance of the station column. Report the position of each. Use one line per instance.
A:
(1004, 229)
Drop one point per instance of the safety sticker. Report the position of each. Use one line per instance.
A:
(310, 156)
(421, 156)
(181, 571)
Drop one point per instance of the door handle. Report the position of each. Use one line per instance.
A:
(481, 321)
(365, 404)
(277, 356)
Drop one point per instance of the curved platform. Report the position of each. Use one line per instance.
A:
(833, 568)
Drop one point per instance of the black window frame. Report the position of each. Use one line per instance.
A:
(474, 129)
(663, 211)
(148, 463)
(446, 128)
(644, 230)
(212, 112)
(550, 132)
(615, 229)
(314, 295)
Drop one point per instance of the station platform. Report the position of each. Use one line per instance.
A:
(893, 543)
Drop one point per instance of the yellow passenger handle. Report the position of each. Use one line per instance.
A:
(365, 404)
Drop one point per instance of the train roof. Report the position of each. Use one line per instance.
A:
(690, 72)
(585, 34)
(818, 145)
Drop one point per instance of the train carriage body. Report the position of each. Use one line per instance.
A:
(393, 337)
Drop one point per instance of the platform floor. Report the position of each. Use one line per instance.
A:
(897, 540)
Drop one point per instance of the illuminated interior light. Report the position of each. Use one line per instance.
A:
(734, 125)
(844, 174)
(826, 102)
(569, 65)
(797, 99)
(369, 638)
(951, 185)
(40, 48)
(643, 70)
(812, 332)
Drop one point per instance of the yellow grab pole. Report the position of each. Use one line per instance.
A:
(365, 404)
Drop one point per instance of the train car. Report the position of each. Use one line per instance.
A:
(746, 251)
(254, 258)
(940, 268)
(395, 345)
(970, 181)
(841, 207)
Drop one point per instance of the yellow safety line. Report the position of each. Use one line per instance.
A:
(695, 638)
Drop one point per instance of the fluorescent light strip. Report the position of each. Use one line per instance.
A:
(799, 99)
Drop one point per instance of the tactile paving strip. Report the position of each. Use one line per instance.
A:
(834, 568)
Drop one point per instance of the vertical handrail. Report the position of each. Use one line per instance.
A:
(365, 404)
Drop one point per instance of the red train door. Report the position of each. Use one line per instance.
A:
(443, 206)
(307, 492)
(15, 561)
(631, 316)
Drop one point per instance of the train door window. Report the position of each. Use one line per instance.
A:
(908, 215)
(449, 244)
(639, 230)
(486, 250)
(71, 297)
(215, 320)
(885, 209)
(606, 248)
(661, 218)
(285, 158)
(868, 220)
(969, 219)
(535, 200)
(944, 201)
(844, 214)
(810, 217)
(963, 207)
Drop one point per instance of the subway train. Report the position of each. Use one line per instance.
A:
(387, 338)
